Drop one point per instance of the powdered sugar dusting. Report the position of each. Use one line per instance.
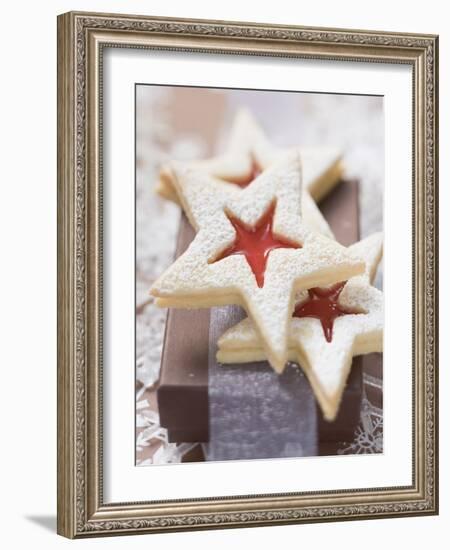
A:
(327, 364)
(320, 261)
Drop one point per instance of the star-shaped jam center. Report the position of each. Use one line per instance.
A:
(322, 304)
(256, 243)
(252, 174)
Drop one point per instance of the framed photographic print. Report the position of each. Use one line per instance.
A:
(247, 285)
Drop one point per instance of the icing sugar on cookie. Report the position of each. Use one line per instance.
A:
(324, 339)
(306, 259)
(249, 152)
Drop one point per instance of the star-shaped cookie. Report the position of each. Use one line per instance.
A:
(249, 152)
(287, 256)
(329, 326)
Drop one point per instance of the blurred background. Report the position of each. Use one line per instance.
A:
(192, 123)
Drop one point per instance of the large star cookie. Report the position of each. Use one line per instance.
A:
(251, 249)
(329, 326)
(249, 152)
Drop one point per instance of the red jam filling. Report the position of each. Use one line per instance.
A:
(323, 304)
(256, 243)
(255, 170)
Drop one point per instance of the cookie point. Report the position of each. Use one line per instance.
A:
(330, 414)
(278, 364)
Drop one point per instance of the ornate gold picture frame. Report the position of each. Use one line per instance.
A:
(82, 39)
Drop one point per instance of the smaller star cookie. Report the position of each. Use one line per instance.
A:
(329, 326)
(251, 249)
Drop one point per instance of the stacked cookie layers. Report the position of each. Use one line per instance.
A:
(262, 243)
